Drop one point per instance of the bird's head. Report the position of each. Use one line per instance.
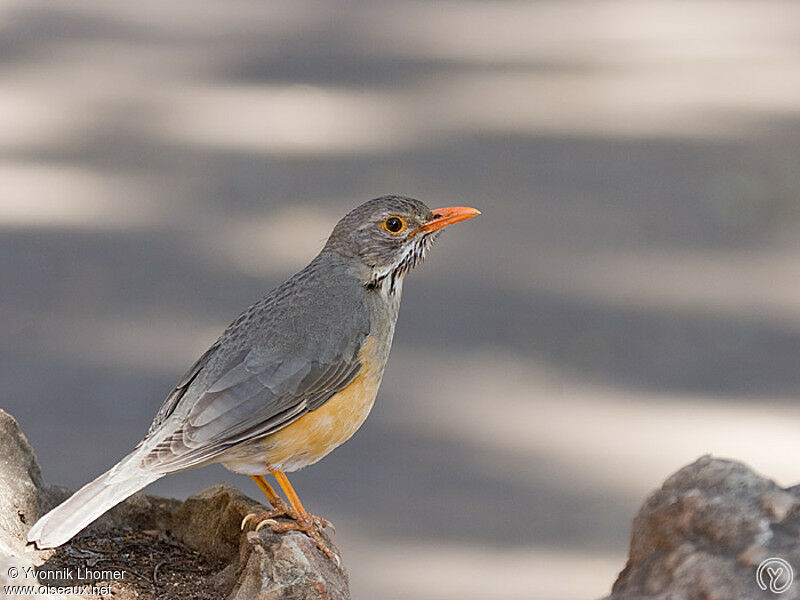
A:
(390, 235)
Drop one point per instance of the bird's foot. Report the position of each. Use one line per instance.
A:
(309, 524)
(279, 509)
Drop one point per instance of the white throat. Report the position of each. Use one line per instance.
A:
(389, 280)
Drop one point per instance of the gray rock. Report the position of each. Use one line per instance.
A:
(205, 554)
(23, 495)
(706, 531)
(23, 498)
(261, 565)
(286, 567)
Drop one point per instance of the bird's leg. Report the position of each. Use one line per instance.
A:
(274, 499)
(294, 500)
(279, 507)
(303, 521)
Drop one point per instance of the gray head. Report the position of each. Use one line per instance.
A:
(390, 235)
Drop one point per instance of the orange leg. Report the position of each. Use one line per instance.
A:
(309, 524)
(279, 507)
(301, 519)
(287, 488)
(268, 490)
(294, 500)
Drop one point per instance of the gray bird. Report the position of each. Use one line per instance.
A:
(292, 378)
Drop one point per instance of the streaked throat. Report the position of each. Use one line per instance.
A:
(390, 279)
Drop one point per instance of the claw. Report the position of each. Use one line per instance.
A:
(270, 522)
(247, 519)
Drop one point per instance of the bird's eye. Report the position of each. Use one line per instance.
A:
(394, 224)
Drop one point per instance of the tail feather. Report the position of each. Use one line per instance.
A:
(87, 504)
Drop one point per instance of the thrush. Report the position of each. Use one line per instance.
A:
(293, 377)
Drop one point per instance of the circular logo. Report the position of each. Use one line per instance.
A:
(774, 574)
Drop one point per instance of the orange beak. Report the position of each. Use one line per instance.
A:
(442, 217)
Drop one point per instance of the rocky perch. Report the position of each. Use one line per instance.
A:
(704, 534)
(164, 549)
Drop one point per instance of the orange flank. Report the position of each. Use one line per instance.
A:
(317, 433)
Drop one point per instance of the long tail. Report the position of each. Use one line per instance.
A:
(89, 502)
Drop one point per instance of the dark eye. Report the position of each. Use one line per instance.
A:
(394, 224)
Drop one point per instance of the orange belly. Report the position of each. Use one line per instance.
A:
(317, 433)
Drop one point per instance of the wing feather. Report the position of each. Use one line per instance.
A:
(284, 356)
(251, 399)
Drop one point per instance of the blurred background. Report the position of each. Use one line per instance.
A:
(629, 300)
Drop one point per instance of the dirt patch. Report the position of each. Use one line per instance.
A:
(123, 565)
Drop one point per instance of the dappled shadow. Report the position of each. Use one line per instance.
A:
(735, 357)
(420, 487)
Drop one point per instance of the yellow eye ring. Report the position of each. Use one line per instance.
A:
(394, 224)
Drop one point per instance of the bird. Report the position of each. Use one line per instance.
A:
(290, 379)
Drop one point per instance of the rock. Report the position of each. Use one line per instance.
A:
(210, 522)
(23, 498)
(167, 548)
(705, 532)
(268, 566)
(23, 495)
(287, 567)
